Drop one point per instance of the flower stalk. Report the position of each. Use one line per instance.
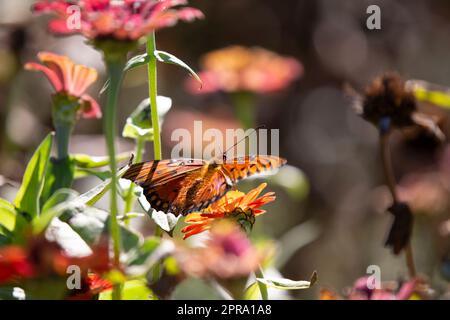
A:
(390, 181)
(115, 65)
(129, 199)
(245, 109)
(262, 287)
(153, 93)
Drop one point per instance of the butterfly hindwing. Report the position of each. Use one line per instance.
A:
(163, 180)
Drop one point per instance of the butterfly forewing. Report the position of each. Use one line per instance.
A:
(240, 168)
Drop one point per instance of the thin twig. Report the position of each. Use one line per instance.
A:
(390, 181)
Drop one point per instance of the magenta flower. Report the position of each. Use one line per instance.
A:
(126, 20)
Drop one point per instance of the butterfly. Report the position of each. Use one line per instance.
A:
(181, 186)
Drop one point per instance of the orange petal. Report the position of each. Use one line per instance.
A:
(82, 78)
(51, 75)
(60, 64)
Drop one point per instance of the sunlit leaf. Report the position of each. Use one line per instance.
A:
(170, 58)
(28, 196)
(59, 174)
(78, 204)
(137, 61)
(287, 284)
(83, 173)
(89, 162)
(132, 290)
(8, 215)
(138, 124)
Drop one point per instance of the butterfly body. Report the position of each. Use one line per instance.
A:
(185, 185)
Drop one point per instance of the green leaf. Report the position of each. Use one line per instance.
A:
(86, 199)
(161, 56)
(58, 197)
(12, 223)
(132, 290)
(8, 215)
(90, 162)
(92, 196)
(59, 175)
(82, 173)
(166, 57)
(138, 124)
(27, 198)
(287, 284)
(146, 249)
(88, 223)
(137, 61)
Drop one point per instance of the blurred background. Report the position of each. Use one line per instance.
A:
(337, 228)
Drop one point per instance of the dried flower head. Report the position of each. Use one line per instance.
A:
(401, 229)
(70, 82)
(126, 20)
(235, 205)
(238, 68)
(388, 103)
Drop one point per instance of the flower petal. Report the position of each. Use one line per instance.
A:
(51, 75)
(90, 107)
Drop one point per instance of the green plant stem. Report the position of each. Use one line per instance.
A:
(262, 287)
(390, 181)
(244, 106)
(62, 135)
(115, 71)
(129, 199)
(153, 92)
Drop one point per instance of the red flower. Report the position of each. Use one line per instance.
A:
(92, 285)
(14, 263)
(126, 20)
(69, 79)
(42, 258)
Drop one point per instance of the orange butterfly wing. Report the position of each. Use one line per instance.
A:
(240, 168)
(179, 186)
(187, 185)
(163, 180)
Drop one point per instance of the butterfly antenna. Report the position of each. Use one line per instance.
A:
(130, 162)
(224, 154)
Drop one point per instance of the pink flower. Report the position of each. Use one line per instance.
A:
(126, 20)
(69, 79)
(361, 291)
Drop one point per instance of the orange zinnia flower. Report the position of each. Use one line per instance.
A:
(69, 79)
(236, 69)
(235, 205)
